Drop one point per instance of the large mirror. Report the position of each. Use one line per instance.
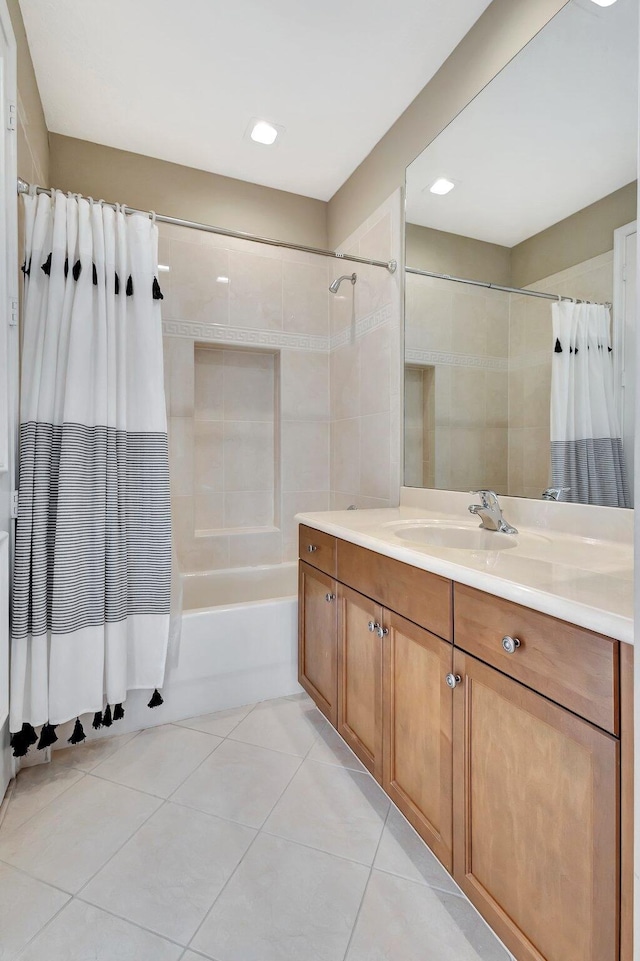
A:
(530, 190)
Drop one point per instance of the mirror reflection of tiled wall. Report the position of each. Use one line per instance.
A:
(490, 354)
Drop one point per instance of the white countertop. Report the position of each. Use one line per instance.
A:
(585, 580)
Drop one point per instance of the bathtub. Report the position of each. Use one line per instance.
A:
(238, 646)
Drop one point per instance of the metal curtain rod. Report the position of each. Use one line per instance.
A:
(507, 290)
(391, 265)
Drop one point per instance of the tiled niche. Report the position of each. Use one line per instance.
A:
(235, 440)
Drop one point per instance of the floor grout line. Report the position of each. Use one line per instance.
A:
(364, 892)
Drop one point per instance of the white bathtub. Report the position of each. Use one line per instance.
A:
(238, 646)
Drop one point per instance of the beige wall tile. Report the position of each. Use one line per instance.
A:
(209, 383)
(206, 554)
(182, 519)
(304, 385)
(469, 324)
(345, 454)
(428, 315)
(208, 512)
(195, 294)
(467, 458)
(344, 368)
(249, 386)
(248, 456)
(497, 398)
(255, 291)
(468, 397)
(181, 455)
(305, 293)
(251, 550)
(248, 509)
(536, 457)
(376, 242)
(516, 398)
(375, 371)
(375, 455)
(497, 317)
(305, 456)
(536, 383)
(208, 457)
(182, 377)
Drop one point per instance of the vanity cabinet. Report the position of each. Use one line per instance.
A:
(536, 819)
(360, 677)
(417, 718)
(318, 638)
(495, 729)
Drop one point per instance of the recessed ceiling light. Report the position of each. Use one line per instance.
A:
(441, 186)
(264, 132)
(222, 280)
(604, 3)
(163, 267)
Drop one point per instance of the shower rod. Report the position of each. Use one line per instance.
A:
(390, 265)
(507, 290)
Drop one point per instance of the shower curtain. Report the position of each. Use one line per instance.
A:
(92, 577)
(586, 444)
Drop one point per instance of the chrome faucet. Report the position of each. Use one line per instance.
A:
(490, 513)
(554, 493)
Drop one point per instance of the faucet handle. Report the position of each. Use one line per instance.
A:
(489, 498)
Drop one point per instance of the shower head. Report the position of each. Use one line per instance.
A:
(336, 284)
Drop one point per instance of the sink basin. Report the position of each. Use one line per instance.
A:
(456, 536)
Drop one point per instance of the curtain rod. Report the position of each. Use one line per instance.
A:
(507, 290)
(390, 265)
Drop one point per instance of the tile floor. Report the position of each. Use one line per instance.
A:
(248, 835)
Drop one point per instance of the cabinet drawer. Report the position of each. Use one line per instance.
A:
(318, 549)
(568, 664)
(419, 596)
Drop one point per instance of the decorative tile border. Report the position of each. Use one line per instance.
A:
(363, 326)
(244, 336)
(450, 359)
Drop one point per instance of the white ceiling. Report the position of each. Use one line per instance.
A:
(554, 132)
(182, 79)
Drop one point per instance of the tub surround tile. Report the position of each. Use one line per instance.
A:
(333, 809)
(167, 877)
(239, 782)
(77, 833)
(158, 759)
(81, 932)
(255, 291)
(285, 902)
(305, 298)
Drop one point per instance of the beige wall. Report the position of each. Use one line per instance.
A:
(586, 234)
(33, 138)
(500, 33)
(452, 254)
(177, 191)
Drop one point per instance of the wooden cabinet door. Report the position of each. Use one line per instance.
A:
(360, 677)
(535, 819)
(318, 639)
(417, 744)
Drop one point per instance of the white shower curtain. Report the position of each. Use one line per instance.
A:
(586, 444)
(91, 594)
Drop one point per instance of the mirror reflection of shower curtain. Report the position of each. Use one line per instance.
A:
(586, 443)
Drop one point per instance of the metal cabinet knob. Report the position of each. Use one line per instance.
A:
(381, 631)
(453, 680)
(329, 597)
(372, 626)
(311, 548)
(510, 644)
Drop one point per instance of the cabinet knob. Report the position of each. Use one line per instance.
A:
(329, 597)
(372, 626)
(510, 644)
(453, 680)
(381, 631)
(311, 548)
